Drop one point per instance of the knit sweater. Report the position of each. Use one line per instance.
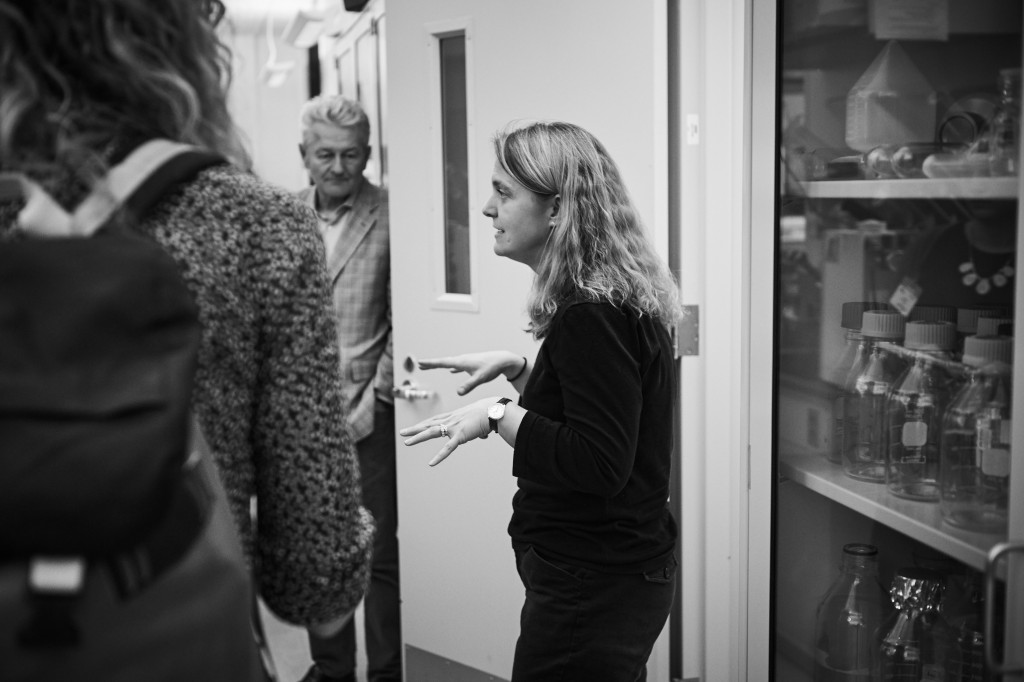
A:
(267, 392)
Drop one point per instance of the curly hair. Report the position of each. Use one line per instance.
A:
(79, 77)
(598, 249)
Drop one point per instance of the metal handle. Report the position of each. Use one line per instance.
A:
(994, 555)
(409, 391)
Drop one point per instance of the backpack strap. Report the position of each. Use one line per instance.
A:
(136, 184)
(139, 181)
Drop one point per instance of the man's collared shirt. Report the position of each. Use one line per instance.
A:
(333, 223)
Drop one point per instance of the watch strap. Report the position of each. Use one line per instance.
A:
(494, 422)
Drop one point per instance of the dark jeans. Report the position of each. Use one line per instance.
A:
(582, 625)
(336, 656)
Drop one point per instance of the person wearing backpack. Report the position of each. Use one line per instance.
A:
(83, 85)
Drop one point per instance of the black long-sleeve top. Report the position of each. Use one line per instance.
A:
(593, 452)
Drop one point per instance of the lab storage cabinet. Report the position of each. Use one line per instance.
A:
(894, 221)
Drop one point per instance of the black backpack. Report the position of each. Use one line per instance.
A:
(99, 469)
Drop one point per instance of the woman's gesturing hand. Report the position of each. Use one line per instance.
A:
(481, 367)
(457, 427)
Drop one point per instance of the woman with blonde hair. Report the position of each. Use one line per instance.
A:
(592, 431)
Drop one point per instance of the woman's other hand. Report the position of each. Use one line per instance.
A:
(457, 427)
(481, 367)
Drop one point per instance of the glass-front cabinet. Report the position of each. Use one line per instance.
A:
(897, 457)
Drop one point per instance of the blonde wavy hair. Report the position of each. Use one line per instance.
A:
(78, 77)
(598, 250)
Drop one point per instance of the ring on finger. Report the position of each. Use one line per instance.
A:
(444, 430)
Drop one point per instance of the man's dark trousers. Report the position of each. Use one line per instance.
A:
(336, 656)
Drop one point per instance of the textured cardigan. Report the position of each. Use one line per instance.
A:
(267, 390)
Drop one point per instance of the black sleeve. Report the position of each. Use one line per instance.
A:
(594, 349)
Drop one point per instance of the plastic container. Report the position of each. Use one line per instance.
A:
(916, 406)
(847, 619)
(974, 467)
(892, 103)
(864, 436)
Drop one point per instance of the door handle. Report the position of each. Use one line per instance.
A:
(997, 552)
(410, 391)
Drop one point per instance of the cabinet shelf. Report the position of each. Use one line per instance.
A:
(914, 188)
(919, 520)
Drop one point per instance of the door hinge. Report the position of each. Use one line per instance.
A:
(687, 332)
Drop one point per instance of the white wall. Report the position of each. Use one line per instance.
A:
(268, 116)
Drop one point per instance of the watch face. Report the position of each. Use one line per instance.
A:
(496, 411)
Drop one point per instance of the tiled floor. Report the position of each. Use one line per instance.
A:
(290, 648)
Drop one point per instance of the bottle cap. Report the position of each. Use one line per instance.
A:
(922, 335)
(860, 549)
(917, 588)
(967, 318)
(933, 313)
(981, 350)
(989, 326)
(883, 324)
(853, 312)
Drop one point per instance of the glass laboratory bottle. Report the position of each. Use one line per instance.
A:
(915, 409)
(974, 466)
(1004, 144)
(915, 639)
(967, 322)
(848, 617)
(864, 438)
(846, 369)
(967, 627)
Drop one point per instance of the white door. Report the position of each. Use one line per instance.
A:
(597, 63)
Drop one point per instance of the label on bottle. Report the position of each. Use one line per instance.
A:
(995, 462)
(905, 297)
(915, 434)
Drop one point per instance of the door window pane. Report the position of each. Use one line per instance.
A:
(454, 136)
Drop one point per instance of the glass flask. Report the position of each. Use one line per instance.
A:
(847, 619)
(966, 622)
(864, 438)
(974, 467)
(915, 409)
(1004, 144)
(915, 639)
